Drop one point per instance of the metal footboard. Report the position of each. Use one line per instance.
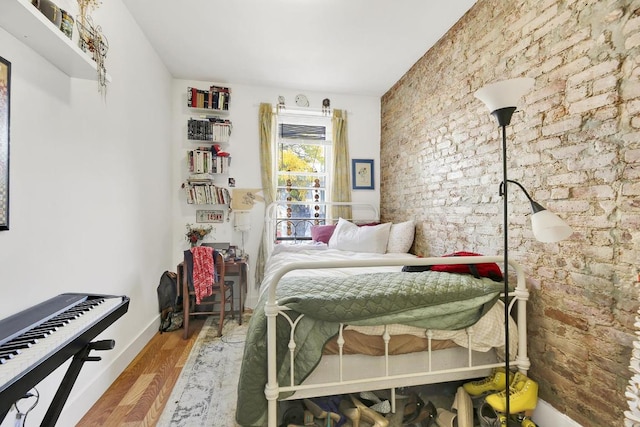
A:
(387, 378)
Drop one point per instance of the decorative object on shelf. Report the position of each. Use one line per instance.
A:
(243, 199)
(195, 233)
(5, 97)
(66, 26)
(219, 151)
(326, 106)
(362, 174)
(502, 99)
(86, 6)
(91, 39)
(50, 10)
(281, 105)
(302, 101)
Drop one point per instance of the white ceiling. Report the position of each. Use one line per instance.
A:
(359, 47)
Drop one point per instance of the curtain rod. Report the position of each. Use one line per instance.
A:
(310, 111)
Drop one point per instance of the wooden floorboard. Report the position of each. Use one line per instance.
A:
(138, 396)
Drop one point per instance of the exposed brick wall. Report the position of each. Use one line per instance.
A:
(575, 145)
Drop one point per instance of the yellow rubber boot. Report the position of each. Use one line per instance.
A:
(497, 381)
(523, 396)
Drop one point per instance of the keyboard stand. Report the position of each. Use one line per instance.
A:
(55, 408)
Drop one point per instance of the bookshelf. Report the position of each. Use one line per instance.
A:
(207, 164)
(212, 129)
(25, 22)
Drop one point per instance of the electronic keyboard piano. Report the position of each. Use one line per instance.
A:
(36, 341)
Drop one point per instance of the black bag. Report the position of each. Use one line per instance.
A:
(170, 306)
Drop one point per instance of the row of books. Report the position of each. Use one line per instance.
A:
(204, 160)
(213, 129)
(216, 98)
(206, 194)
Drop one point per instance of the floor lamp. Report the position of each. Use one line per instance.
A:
(502, 99)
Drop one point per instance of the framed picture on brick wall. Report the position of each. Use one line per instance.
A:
(362, 174)
(5, 96)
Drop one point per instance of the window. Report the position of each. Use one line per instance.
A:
(303, 170)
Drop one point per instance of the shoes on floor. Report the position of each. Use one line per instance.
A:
(463, 411)
(371, 400)
(497, 381)
(427, 417)
(369, 415)
(488, 416)
(523, 396)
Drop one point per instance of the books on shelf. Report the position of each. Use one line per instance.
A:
(209, 129)
(216, 98)
(203, 160)
(206, 194)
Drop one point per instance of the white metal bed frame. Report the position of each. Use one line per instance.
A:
(386, 379)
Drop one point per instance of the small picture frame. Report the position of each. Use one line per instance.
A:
(232, 252)
(362, 174)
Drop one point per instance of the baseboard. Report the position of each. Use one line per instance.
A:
(547, 415)
(75, 408)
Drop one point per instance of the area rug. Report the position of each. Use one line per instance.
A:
(206, 391)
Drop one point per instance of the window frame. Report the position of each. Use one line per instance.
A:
(293, 234)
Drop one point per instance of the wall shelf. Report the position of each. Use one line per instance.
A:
(27, 24)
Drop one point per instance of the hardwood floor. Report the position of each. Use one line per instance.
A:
(140, 393)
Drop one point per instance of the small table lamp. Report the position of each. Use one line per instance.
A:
(242, 223)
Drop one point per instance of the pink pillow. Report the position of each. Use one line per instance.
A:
(322, 233)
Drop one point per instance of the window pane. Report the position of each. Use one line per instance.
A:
(301, 181)
(295, 195)
(301, 158)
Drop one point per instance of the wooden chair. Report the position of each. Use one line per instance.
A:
(221, 296)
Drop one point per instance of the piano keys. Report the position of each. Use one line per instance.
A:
(36, 341)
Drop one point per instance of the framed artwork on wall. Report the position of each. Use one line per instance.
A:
(362, 174)
(5, 96)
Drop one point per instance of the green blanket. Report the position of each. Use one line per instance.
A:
(432, 300)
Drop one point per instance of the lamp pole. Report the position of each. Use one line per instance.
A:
(503, 115)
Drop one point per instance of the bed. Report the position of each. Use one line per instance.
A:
(319, 300)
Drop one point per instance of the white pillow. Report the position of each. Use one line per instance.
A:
(349, 237)
(401, 237)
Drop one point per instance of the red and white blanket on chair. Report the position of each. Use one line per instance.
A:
(203, 271)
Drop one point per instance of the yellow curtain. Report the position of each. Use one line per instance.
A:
(341, 185)
(265, 123)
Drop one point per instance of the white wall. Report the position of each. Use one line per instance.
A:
(364, 142)
(95, 203)
(91, 193)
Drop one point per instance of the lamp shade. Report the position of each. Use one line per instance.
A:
(503, 94)
(548, 227)
(242, 220)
